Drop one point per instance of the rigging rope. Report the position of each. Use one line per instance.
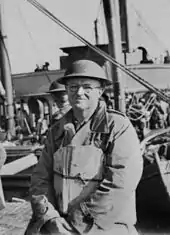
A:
(99, 9)
(100, 52)
(148, 29)
(141, 113)
(38, 52)
(29, 32)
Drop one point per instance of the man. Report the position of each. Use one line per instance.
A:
(60, 97)
(86, 178)
(45, 66)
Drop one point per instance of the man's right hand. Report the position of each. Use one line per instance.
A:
(58, 226)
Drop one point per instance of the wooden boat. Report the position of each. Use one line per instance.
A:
(27, 84)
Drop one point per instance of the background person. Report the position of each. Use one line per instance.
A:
(60, 97)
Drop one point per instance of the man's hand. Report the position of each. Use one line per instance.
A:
(58, 226)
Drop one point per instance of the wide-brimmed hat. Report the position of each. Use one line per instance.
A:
(84, 69)
(55, 86)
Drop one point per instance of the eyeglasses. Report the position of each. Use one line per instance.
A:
(86, 88)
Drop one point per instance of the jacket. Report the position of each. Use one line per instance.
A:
(113, 202)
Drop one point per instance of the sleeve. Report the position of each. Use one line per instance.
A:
(42, 179)
(115, 197)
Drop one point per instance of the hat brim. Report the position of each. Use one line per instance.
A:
(56, 90)
(63, 80)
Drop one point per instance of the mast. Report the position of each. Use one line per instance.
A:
(6, 73)
(112, 17)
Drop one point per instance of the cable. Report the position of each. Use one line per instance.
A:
(32, 40)
(100, 52)
(29, 32)
(147, 28)
(99, 8)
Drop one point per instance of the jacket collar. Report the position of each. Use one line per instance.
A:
(99, 122)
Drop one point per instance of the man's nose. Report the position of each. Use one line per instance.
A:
(80, 90)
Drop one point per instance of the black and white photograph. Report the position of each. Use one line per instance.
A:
(84, 117)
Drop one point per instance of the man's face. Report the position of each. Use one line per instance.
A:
(60, 97)
(83, 93)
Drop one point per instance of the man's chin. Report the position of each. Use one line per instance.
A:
(79, 106)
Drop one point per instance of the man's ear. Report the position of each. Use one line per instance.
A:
(101, 90)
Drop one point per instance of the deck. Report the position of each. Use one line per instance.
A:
(14, 218)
